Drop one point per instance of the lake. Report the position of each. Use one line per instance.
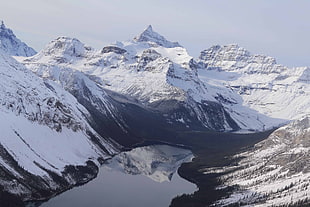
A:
(144, 176)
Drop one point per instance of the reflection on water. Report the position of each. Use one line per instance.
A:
(144, 176)
(157, 162)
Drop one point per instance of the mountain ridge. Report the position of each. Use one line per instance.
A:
(47, 144)
(12, 45)
(154, 74)
(258, 79)
(127, 93)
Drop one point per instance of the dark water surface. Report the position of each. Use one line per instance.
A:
(145, 176)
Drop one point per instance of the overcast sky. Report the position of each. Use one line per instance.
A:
(279, 28)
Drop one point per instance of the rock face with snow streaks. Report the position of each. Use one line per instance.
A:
(264, 85)
(275, 172)
(11, 45)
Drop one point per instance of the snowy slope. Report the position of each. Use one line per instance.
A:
(66, 104)
(264, 85)
(12, 45)
(275, 172)
(44, 130)
(159, 74)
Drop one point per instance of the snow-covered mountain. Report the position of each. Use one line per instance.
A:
(149, 35)
(46, 142)
(12, 45)
(81, 102)
(264, 85)
(275, 172)
(159, 74)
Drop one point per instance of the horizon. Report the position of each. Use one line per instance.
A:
(262, 27)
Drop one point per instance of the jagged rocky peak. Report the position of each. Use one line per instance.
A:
(149, 35)
(233, 52)
(67, 46)
(10, 44)
(233, 57)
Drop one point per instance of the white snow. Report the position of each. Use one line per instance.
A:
(12, 45)
(30, 143)
(151, 71)
(31, 111)
(269, 88)
(148, 35)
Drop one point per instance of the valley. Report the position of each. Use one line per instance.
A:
(70, 109)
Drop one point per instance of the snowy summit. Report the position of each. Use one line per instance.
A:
(149, 35)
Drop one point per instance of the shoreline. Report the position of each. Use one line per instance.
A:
(209, 150)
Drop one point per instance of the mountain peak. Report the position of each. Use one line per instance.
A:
(149, 28)
(149, 35)
(6, 32)
(220, 55)
(3, 27)
(10, 44)
(66, 47)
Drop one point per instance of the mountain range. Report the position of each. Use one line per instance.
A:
(69, 107)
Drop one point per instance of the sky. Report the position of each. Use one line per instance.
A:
(278, 28)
